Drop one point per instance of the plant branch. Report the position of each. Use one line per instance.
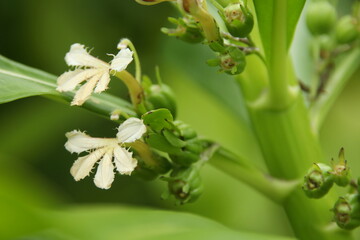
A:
(275, 189)
(336, 83)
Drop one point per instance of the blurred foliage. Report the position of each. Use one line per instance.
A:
(34, 164)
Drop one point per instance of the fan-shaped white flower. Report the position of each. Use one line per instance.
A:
(94, 71)
(108, 151)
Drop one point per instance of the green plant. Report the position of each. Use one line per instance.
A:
(285, 114)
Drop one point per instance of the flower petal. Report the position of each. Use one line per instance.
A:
(124, 161)
(83, 165)
(103, 83)
(69, 80)
(85, 91)
(131, 130)
(66, 76)
(105, 172)
(80, 142)
(78, 56)
(122, 60)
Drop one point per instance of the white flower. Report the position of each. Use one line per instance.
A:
(95, 72)
(108, 151)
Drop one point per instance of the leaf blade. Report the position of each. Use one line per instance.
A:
(110, 222)
(265, 12)
(19, 81)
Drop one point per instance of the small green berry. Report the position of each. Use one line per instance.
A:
(320, 17)
(346, 30)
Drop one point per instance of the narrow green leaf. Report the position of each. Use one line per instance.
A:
(20, 81)
(135, 223)
(265, 12)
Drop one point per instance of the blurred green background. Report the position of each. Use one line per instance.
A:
(35, 165)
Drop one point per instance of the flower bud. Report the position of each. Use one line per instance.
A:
(184, 158)
(346, 30)
(318, 180)
(185, 184)
(347, 211)
(161, 96)
(238, 19)
(187, 30)
(186, 132)
(320, 17)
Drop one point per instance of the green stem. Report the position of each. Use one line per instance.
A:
(127, 42)
(135, 89)
(279, 92)
(337, 81)
(207, 22)
(237, 167)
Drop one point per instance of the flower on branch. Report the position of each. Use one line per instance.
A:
(110, 152)
(93, 71)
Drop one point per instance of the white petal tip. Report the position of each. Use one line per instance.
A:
(122, 60)
(131, 130)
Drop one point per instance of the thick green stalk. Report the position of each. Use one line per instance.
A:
(279, 88)
(289, 145)
(289, 148)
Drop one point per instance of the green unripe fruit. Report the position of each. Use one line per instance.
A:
(185, 184)
(318, 181)
(347, 211)
(340, 170)
(238, 19)
(161, 96)
(320, 17)
(346, 30)
(233, 62)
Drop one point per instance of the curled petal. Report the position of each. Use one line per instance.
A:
(122, 60)
(131, 130)
(124, 161)
(83, 165)
(103, 83)
(78, 56)
(79, 142)
(85, 91)
(105, 172)
(69, 80)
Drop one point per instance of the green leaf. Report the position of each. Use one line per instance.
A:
(94, 222)
(158, 119)
(265, 12)
(20, 81)
(159, 142)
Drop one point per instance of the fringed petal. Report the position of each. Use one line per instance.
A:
(122, 60)
(85, 91)
(80, 142)
(103, 83)
(78, 56)
(69, 80)
(105, 172)
(131, 130)
(124, 161)
(83, 165)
